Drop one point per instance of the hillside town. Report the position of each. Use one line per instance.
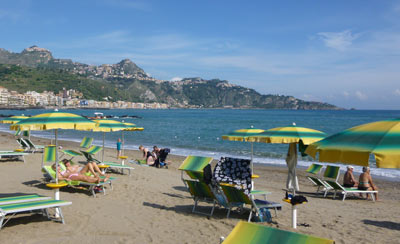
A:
(65, 98)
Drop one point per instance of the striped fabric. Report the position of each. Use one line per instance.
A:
(234, 195)
(21, 198)
(19, 207)
(54, 120)
(314, 169)
(13, 119)
(194, 165)
(332, 172)
(353, 146)
(108, 125)
(289, 134)
(250, 233)
(86, 142)
(242, 134)
(94, 149)
(49, 154)
(133, 127)
(71, 153)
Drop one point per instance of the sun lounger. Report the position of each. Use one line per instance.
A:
(250, 233)
(200, 191)
(236, 197)
(86, 142)
(8, 154)
(23, 144)
(345, 191)
(22, 198)
(193, 166)
(49, 157)
(89, 155)
(40, 205)
(32, 146)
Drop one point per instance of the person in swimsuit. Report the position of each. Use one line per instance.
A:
(119, 146)
(147, 155)
(365, 182)
(78, 175)
(89, 167)
(348, 179)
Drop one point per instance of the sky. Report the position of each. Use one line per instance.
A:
(346, 53)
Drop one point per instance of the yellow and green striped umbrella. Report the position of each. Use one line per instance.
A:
(243, 135)
(108, 125)
(133, 128)
(289, 134)
(354, 145)
(13, 119)
(54, 120)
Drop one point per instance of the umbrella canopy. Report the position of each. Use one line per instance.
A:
(133, 128)
(54, 120)
(243, 135)
(13, 119)
(108, 125)
(354, 145)
(289, 135)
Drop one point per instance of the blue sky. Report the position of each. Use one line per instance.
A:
(343, 52)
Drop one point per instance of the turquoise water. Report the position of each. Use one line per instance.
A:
(198, 132)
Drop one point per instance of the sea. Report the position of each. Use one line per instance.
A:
(199, 131)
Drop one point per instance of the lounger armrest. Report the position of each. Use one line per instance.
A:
(257, 192)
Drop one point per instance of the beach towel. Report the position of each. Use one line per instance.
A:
(234, 171)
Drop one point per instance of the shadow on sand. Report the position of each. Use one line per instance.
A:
(384, 224)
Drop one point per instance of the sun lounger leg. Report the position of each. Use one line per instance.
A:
(91, 188)
(212, 210)
(61, 215)
(195, 205)
(251, 214)
(229, 212)
(104, 189)
(2, 217)
(344, 196)
(372, 196)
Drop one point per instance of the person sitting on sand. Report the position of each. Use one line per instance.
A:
(79, 176)
(89, 167)
(147, 156)
(348, 179)
(365, 182)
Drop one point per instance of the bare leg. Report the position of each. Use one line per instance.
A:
(86, 178)
(96, 168)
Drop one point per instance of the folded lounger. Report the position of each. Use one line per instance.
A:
(345, 191)
(86, 142)
(22, 198)
(93, 150)
(24, 145)
(251, 233)
(40, 205)
(9, 154)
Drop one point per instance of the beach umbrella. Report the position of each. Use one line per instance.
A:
(354, 145)
(13, 119)
(54, 121)
(289, 135)
(132, 128)
(242, 135)
(108, 125)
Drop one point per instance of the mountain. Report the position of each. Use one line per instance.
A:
(36, 69)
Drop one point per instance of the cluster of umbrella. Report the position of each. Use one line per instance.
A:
(59, 120)
(352, 146)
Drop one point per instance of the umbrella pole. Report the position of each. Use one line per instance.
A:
(123, 142)
(57, 190)
(252, 169)
(104, 136)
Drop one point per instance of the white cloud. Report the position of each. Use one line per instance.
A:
(361, 96)
(338, 40)
(176, 79)
(346, 94)
(397, 92)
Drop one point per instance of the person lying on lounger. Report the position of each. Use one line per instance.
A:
(78, 175)
(366, 183)
(89, 167)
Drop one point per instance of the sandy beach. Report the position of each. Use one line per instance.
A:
(153, 206)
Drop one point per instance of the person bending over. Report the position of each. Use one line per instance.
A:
(147, 156)
(348, 179)
(365, 183)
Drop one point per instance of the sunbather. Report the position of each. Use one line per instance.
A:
(147, 155)
(348, 179)
(89, 167)
(366, 182)
(79, 176)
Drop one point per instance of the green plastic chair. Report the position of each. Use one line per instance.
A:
(200, 191)
(250, 233)
(237, 198)
(86, 142)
